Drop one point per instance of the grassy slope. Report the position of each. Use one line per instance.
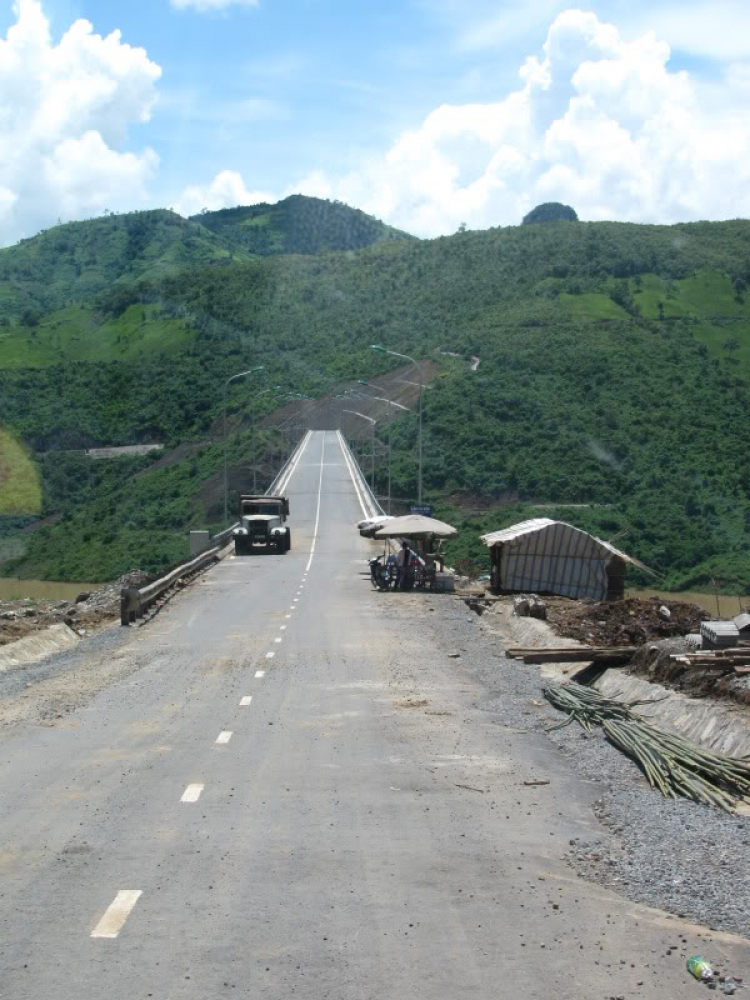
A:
(584, 395)
(20, 482)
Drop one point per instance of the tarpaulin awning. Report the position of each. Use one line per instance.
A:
(415, 526)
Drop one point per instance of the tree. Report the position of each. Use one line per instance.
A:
(730, 345)
(550, 211)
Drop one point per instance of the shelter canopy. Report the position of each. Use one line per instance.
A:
(415, 526)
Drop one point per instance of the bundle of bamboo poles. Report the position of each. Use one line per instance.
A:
(670, 763)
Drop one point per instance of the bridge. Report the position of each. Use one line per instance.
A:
(284, 785)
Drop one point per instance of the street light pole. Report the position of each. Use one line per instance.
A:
(250, 371)
(372, 423)
(390, 421)
(397, 354)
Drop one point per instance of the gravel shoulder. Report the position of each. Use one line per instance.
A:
(689, 860)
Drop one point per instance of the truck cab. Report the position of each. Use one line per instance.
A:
(262, 525)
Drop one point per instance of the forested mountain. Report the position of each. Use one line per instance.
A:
(297, 225)
(613, 374)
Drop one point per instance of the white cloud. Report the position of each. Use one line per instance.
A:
(226, 190)
(208, 5)
(64, 111)
(599, 121)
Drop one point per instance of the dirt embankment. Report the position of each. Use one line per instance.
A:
(21, 618)
(622, 623)
(654, 662)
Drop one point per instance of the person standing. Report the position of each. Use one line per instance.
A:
(403, 563)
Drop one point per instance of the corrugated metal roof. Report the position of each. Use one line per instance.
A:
(539, 524)
(742, 621)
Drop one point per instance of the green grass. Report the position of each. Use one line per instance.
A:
(20, 482)
(77, 333)
(592, 307)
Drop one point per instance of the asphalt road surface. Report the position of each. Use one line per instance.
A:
(286, 794)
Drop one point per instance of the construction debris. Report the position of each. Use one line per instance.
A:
(572, 654)
(675, 766)
(622, 623)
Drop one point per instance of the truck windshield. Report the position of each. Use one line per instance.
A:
(249, 509)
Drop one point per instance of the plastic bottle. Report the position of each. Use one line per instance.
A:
(699, 967)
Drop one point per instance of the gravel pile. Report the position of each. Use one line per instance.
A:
(20, 618)
(675, 855)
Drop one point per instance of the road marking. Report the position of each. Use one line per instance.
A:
(224, 737)
(192, 793)
(317, 513)
(353, 477)
(277, 639)
(117, 913)
(287, 616)
(293, 468)
(259, 674)
(282, 628)
(270, 656)
(244, 702)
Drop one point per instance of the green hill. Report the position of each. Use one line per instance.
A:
(76, 261)
(297, 225)
(613, 386)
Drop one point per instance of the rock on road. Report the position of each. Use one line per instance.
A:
(282, 793)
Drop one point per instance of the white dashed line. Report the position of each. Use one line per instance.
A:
(117, 913)
(277, 639)
(192, 793)
(287, 616)
(244, 702)
(224, 737)
(259, 674)
(282, 628)
(270, 656)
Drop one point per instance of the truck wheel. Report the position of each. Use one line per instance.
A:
(288, 539)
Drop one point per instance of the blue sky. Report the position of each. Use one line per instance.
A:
(335, 98)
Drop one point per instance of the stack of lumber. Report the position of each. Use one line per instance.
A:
(572, 654)
(735, 660)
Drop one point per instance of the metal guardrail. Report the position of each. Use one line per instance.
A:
(371, 500)
(135, 601)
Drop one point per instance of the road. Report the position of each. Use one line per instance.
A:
(287, 793)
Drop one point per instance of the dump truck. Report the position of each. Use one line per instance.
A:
(262, 525)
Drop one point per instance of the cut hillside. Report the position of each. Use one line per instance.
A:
(297, 225)
(612, 392)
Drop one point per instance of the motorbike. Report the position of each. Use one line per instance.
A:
(379, 574)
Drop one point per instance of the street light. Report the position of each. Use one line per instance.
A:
(272, 388)
(250, 371)
(390, 419)
(372, 421)
(397, 354)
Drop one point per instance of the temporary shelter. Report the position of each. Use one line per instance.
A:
(552, 557)
(415, 526)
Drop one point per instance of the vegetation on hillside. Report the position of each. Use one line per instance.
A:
(297, 225)
(612, 391)
(551, 211)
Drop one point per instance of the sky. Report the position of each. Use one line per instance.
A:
(428, 114)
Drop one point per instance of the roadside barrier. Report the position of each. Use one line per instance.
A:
(368, 501)
(135, 601)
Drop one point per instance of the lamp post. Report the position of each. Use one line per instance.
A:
(372, 421)
(273, 388)
(390, 417)
(250, 371)
(397, 354)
